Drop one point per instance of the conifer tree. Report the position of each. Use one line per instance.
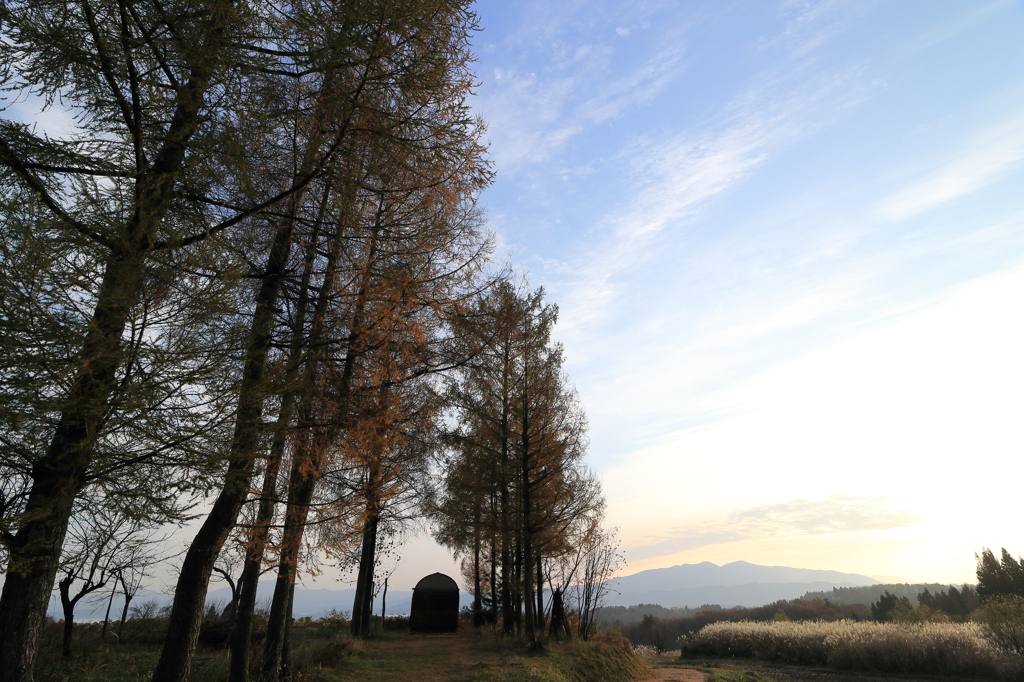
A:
(516, 480)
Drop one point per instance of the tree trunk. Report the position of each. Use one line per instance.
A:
(526, 488)
(248, 582)
(559, 623)
(194, 577)
(106, 618)
(478, 615)
(68, 607)
(306, 465)
(124, 614)
(507, 617)
(494, 583)
(362, 607)
(540, 594)
(300, 493)
(58, 476)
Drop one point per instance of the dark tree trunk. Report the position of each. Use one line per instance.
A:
(124, 614)
(362, 607)
(507, 617)
(68, 607)
(517, 582)
(194, 577)
(478, 615)
(527, 555)
(106, 618)
(494, 583)
(306, 464)
(59, 475)
(300, 493)
(248, 582)
(559, 623)
(286, 649)
(68, 604)
(540, 594)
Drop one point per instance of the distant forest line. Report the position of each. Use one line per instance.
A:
(837, 596)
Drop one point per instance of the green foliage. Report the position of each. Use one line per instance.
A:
(1003, 616)
(335, 621)
(957, 604)
(845, 596)
(1002, 576)
(889, 606)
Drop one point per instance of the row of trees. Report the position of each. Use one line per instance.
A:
(943, 605)
(253, 275)
(517, 502)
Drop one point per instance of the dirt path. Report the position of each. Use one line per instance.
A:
(677, 675)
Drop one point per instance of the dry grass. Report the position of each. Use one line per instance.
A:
(952, 649)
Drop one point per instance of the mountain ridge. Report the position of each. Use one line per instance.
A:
(739, 583)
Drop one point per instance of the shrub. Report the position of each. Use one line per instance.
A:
(1003, 618)
(335, 620)
(324, 653)
(396, 623)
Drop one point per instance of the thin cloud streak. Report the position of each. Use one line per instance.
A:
(835, 514)
(985, 158)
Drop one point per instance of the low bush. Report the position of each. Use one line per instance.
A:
(1003, 618)
(325, 653)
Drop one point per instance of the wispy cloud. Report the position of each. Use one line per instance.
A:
(581, 73)
(532, 114)
(984, 158)
(675, 177)
(835, 514)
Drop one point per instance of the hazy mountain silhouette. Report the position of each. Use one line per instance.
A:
(737, 584)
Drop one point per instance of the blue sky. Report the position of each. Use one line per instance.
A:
(787, 241)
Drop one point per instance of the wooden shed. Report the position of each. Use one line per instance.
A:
(435, 605)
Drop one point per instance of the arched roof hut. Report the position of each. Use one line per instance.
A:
(435, 605)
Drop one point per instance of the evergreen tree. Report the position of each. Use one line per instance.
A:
(1003, 576)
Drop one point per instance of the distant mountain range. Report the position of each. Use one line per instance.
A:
(737, 584)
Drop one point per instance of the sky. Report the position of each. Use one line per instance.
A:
(787, 243)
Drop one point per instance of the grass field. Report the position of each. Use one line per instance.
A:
(322, 652)
(945, 649)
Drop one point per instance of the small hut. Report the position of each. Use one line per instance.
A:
(435, 605)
